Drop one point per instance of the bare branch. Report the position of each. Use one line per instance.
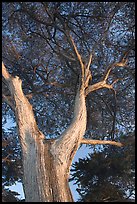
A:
(103, 84)
(5, 73)
(101, 142)
(116, 81)
(122, 63)
(88, 75)
(78, 56)
(6, 91)
(108, 71)
(89, 62)
(96, 86)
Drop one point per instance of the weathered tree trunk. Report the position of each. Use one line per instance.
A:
(46, 163)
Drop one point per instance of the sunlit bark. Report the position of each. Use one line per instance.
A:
(46, 163)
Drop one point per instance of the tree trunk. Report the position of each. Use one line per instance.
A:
(46, 163)
(44, 179)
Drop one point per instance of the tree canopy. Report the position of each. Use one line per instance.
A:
(36, 47)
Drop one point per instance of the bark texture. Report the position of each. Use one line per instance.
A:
(46, 163)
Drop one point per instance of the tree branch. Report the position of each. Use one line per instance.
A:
(78, 56)
(122, 63)
(89, 62)
(96, 86)
(103, 83)
(99, 142)
(5, 73)
(6, 96)
(88, 75)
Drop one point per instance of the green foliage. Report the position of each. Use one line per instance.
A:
(107, 175)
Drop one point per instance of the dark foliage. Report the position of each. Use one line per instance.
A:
(107, 175)
(35, 47)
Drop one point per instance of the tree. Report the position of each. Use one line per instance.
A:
(47, 45)
(113, 180)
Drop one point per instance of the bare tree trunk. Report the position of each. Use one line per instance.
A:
(44, 180)
(46, 163)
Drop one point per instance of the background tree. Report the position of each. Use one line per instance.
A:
(107, 175)
(38, 48)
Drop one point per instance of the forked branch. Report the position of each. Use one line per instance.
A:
(85, 71)
(103, 83)
(122, 63)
